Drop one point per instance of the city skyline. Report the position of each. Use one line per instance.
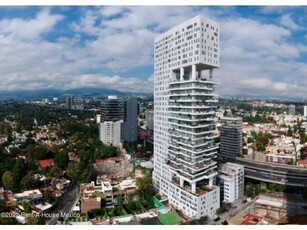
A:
(111, 47)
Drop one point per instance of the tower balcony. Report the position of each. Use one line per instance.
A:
(197, 81)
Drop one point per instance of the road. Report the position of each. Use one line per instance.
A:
(65, 205)
(270, 172)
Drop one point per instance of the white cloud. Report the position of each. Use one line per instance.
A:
(114, 82)
(256, 57)
(111, 10)
(261, 83)
(288, 22)
(280, 86)
(28, 29)
(275, 9)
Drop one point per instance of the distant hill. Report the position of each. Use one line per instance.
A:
(49, 93)
(88, 91)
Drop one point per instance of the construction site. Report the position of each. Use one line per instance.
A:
(117, 168)
(273, 208)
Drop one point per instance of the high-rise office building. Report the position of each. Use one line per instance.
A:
(292, 109)
(113, 109)
(70, 101)
(185, 106)
(130, 125)
(125, 110)
(231, 136)
(305, 111)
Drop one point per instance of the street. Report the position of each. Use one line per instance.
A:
(65, 205)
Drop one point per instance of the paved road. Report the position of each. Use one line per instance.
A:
(65, 205)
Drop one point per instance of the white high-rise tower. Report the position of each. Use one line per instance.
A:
(184, 112)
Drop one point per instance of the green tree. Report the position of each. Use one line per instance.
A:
(260, 147)
(3, 207)
(35, 220)
(203, 220)
(280, 187)
(28, 181)
(27, 207)
(8, 221)
(14, 151)
(289, 132)
(145, 188)
(55, 172)
(73, 171)
(8, 180)
(61, 159)
(19, 169)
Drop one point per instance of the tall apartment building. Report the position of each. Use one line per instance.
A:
(149, 118)
(185, 106)
(130, 125)
(292, 109)
(305, 111)
(231, 181)
(231, 136)
(110, 132)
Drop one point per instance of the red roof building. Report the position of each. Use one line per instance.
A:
(251, 219)
(46, 163)
(109, 159)
(302, 162)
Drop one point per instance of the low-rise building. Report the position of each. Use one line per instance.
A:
(8, 197)
(106, 193)
(91, 197)
(46, 163)
(280, 158)
(73, 157)
(28, 196)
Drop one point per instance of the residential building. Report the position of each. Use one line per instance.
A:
(305, 111)
(231, 136)
(231, 181)
(185, 105)
(149, 119)
(110, 132)
(280, 158)
(106, 193)
(130, 124)
(98, 118)
(28, 196)
(7, 197)
(47, 163)
(91, 197)
(291, 109)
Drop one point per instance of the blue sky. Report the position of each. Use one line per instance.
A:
(263, 50)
